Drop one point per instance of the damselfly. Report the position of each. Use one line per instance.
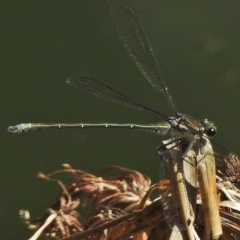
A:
(138, 46)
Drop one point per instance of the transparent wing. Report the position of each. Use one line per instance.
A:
(98, 89)
(139, 48)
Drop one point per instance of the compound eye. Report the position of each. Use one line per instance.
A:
(211, 132)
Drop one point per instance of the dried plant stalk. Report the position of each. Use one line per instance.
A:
(183, 190)
(208, 189)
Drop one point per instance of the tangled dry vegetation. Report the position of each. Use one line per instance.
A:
(194, 204)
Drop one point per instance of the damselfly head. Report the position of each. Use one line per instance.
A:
(207, 127)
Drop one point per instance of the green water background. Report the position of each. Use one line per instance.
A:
(45, 42)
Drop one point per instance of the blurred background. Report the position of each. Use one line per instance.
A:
(45, 42)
